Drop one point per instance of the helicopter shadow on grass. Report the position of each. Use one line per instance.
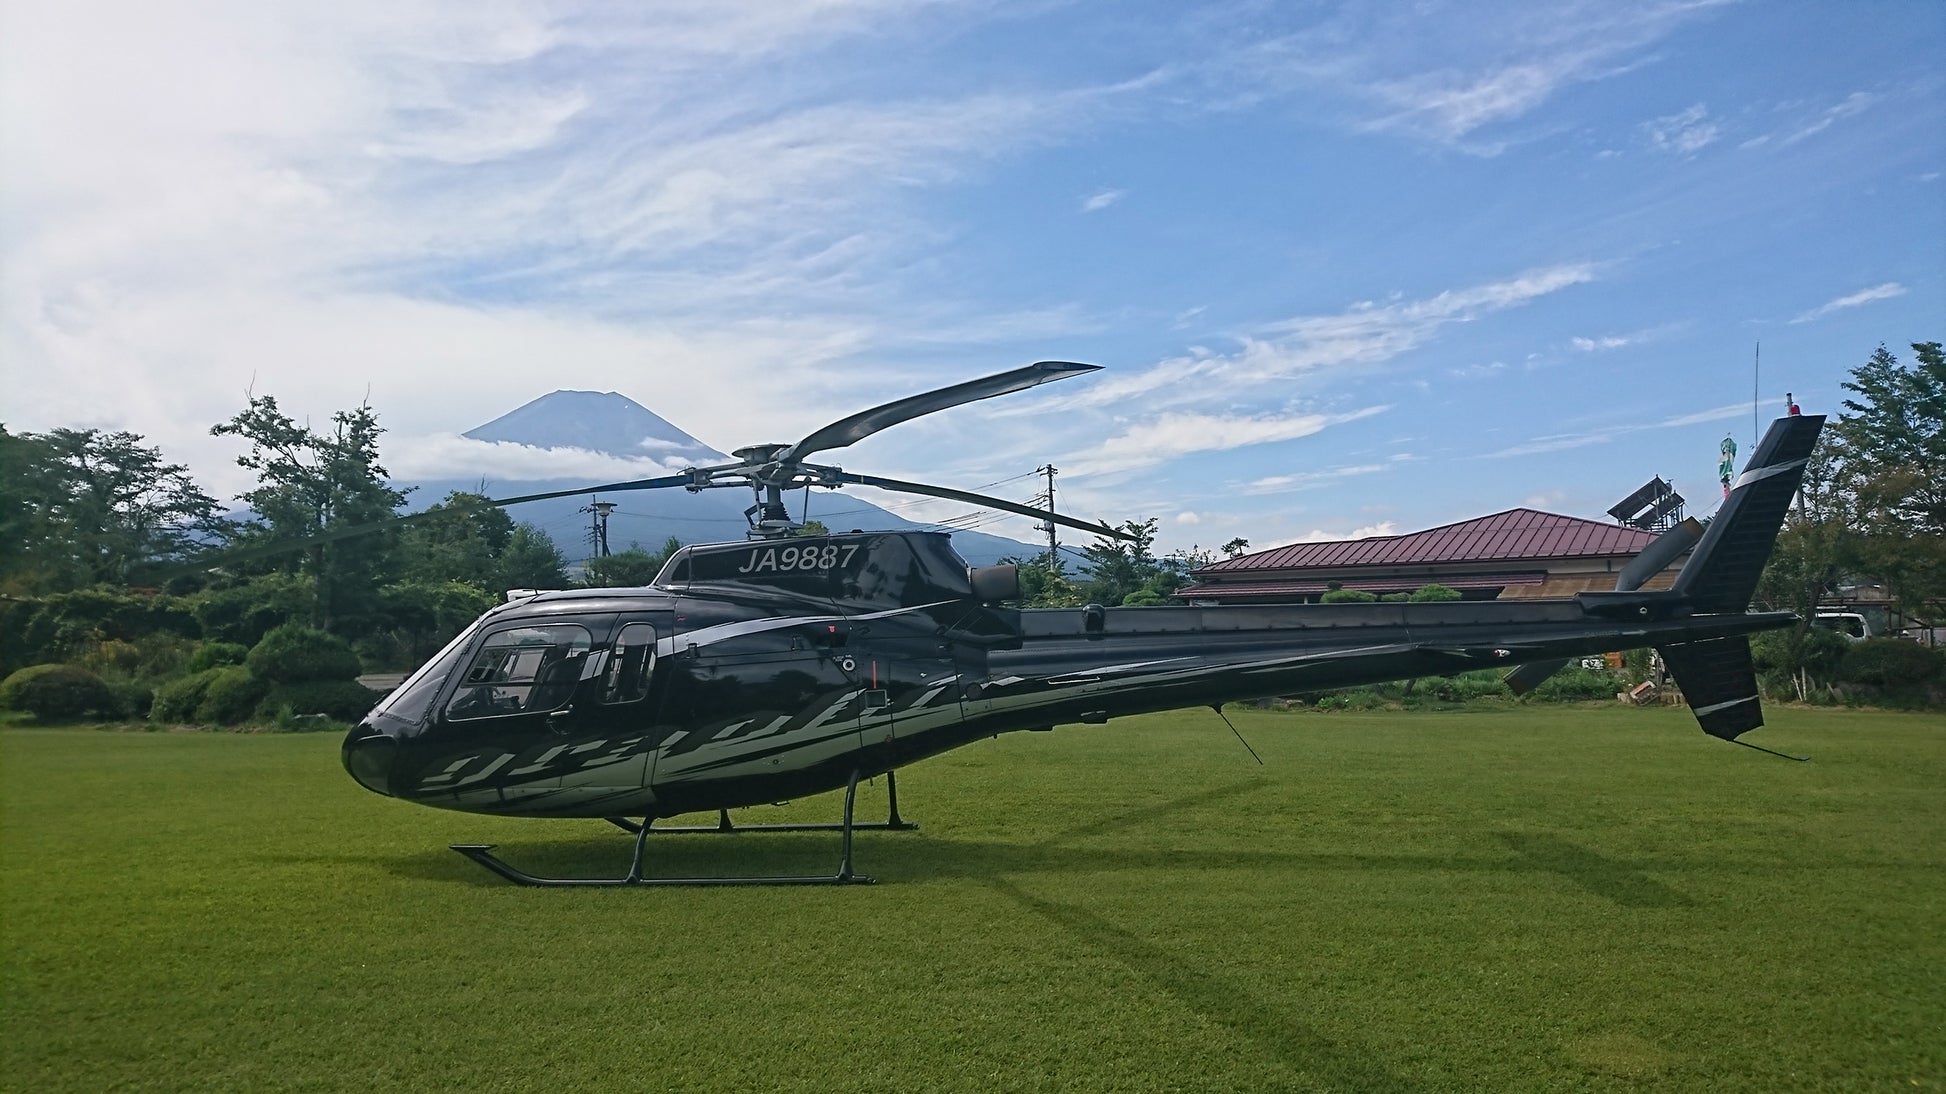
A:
(1006, 868)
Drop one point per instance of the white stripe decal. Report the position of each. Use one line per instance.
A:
(723, 632)
(1714, 707)
(1756, 474)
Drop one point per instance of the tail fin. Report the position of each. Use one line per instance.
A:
(1716, 676)
(1719, 682)
(1722, 574)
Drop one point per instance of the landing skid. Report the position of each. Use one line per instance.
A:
(892, 823)
(482, 854)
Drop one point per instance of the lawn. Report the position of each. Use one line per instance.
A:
(1539, 899)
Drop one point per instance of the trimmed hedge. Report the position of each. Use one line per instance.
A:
(1578, 683)
(53, 693)
(177, 700)
(1891, 663)
(231, 696)
(212, 655)
(339, 700)
(294, 652)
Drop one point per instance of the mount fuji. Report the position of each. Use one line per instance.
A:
(608, 424)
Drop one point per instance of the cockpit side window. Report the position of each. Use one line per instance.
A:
(523, 670)
(629, 665)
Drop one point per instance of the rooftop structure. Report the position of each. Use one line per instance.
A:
(1518, 553)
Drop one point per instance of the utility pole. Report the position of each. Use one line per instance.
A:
(1053, 544)
(598, 531)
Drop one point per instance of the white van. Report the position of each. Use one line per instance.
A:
(1850, 624)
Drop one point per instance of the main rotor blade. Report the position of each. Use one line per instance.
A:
(857, 427)
(980, 500)
(284, 546)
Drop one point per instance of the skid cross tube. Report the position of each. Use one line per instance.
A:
(482, 854)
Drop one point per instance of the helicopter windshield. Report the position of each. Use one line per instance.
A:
(412, 700)
(523, 669)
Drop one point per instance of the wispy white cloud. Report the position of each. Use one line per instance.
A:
(1174, 434)
(447, 455)
(1853, 104)
(1307, 480)
(1804, 122)
(1442, 74)
(1369, 531)
(1364, 334)
(1597, 345)
(1683, 133)
(1886, 291)
(1101, 199)
(1562, 442)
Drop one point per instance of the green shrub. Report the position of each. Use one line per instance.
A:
(1780, 655)
(110, 656)
(133, 698)
(212, 655)
(340, 700)
(55, 693)
(294, 652)
(163, 654)
(1480, 684)
(231, 696)
(1577, 683)
(1348, 596)
(244, 613)
(177, 700)
(1434, 593)
(1890, 663)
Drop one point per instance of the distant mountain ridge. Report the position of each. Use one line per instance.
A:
(607, 422)
(613, 424)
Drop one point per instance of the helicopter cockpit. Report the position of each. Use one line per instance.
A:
(523, 670)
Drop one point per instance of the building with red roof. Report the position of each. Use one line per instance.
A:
(1518, 553)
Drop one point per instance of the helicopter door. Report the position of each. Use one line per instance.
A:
(615, 714)
(749, 699)
(905, 696)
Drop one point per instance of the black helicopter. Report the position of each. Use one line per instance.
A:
(787, 665)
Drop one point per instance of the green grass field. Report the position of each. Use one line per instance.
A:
(1538, 899)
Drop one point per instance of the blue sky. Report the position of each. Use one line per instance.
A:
(1353, 268)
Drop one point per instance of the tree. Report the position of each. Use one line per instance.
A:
(1894, 443)
(463, 542)
(531, 561)
(1120, 567)
(78, 507)
(635, 566)
(312, 483)
(479, 544)
(1042, 586)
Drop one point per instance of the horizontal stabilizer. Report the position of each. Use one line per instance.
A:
(1719, 682)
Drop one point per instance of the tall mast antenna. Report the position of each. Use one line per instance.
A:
(1756, 371)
